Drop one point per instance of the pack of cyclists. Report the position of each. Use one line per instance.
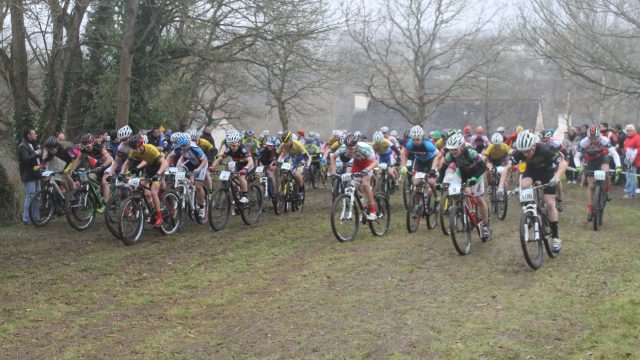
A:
(459, 156)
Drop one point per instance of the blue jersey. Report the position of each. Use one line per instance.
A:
(422, 151)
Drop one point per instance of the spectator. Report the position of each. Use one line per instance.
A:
(632, 160)
(29, 153)
(155, 137)
(570, 143)
(60, 136)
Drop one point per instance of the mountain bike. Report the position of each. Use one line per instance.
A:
(348, 212)
(598, 196)
(137, 209)
(498, 205)
(423, 204)
(178, 181)
(337, 185)
(287, 196)
(535, 229)
(81, 205)
(49, 200)
(463, 218)
(385, 183)
(407, 184)
(267, 187)
(120, 190)
(228, 196)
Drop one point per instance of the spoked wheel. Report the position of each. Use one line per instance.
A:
(335, 187)
(205, 217)
(460, 229)
(112, 215)
(170, 208)
(597, 192)
(406, 191)
(41, 207)
(345, 218)
(220, 209)
(443, 212)
(501, 207)
(380, 226)
(545, 233)
(252, 211)
(432, 212)
(296, 203)
(80, 209)
(131, 221)
(531, 247)
(414, 213)
(281, 196)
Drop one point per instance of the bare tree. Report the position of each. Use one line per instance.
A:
(126, 63)
(418, 51)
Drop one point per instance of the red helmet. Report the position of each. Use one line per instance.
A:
(467, 129)
(480, 130)
(594, 132)
(300, 132)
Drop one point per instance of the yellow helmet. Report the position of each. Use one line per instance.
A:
(519, 128)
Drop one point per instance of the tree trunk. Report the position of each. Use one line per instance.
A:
(75, 124)
(126, 63)
(284, 117)
(20, 88)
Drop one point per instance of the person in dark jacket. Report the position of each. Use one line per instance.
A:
(29, 154)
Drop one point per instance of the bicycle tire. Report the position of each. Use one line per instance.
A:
(171, 213)
(603, 204)
(545, 232)
(384, 216)
(43, 200)
(503, 205)
(406, 190)
(458, 229)
(534, 257)
(79, 215)
(111, 215)
(132, 213)
(431, 213)
(414, 215)
(340, 215)
(442, 212)
(281, 196)
(251, 212)
(595, 210)
(220, 209)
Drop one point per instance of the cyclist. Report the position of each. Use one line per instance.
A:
(294, 150)
(497, 154)
(467, 165)
(596, 149)
(250, 142)
(154, 164)
(546, 137)
(478, 141)
(267, 156)
(208, 149)
(99, 160)
(364, 160)
(466, 133)
(423, 152)
(243, 159)
(194, 160)
(65, 151)
(385, 149)
(512, 138)
(313, 148)
(544, 163)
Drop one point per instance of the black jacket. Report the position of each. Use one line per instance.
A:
(27, 159)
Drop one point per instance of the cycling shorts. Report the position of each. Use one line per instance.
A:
(200, 174)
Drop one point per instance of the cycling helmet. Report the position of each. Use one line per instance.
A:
(436, 134)
(497, 138)
(271, 141)
(526, 140)
(416, 132)
(87, 139)
(480, 130)
(174, 137)
(286, 136)
(195, 134)
(280, 133)
(234, 138)
(300, 133)
(341, 138)
(357, 134)
(519, 128)
(183, 139)
(265, 132)
(467, 129)
(336, 133)
(145, 139)
(384, 129)
(594, 132)
(500, 129)
(124, 132)
(351, 140)
(378, 136)
(51, 142)
(547, 133)
(394, 133)
(135, 141)
(249, 132)
(294, 137)
(447, 133)
(455, 142)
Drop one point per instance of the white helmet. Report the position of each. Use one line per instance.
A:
(336, 133)
(378, 136)
(265, 132)
(455, 142)
(416, 132)
(195, 134)
(394, 133)
(234, 138)
(124, 132)
(294, 137)
(145, 138)
(501, 128)
(384, 129)
(526, 140)
(174, 137)
(497, 138)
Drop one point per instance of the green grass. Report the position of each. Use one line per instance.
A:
(288, 289)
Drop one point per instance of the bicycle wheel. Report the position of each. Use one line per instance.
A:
(502, 206)
(406, 191)
(345, 218)
(460, 229)
(112, 215)
(431, 212)
(296, 203)
(545, 233)
(595, 200)
(252, 211)
(202, 219)
(443, 212)
(220, 209)
(170, 208)
(80, 209)
(414, 214)
(380, 226)
(131, 221)
(41, 207)
(280, 196)
(335, 187)
(603, 203)
(531, 247)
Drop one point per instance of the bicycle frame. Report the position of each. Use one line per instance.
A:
(353, 191)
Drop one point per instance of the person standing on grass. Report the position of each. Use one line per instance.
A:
(29, 154)
(631, 159)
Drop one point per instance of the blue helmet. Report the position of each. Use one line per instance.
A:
(183, 139)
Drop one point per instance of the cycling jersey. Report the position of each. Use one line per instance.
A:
(593, 150)
(468, 164)
(123, 150)
(296, 149)
(497, 152)
(251, 144)
(440, 143)
(362, 151)
(205, 145)
(266, 157)
(193, 154)
(382, 147)
(97, 151)
(241, 156)
(66, 151)
(151, 154)
(424, 150)
(545, 158)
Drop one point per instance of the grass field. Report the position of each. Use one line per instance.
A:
(288, 289)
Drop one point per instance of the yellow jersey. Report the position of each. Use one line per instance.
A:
(439, 144)
(205, 146)
(296, 149)
(151, 154)
(495, 152)
(382, 147)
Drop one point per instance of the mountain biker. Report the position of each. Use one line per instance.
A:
(243, 159)
(294, 150)
(194, 160)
